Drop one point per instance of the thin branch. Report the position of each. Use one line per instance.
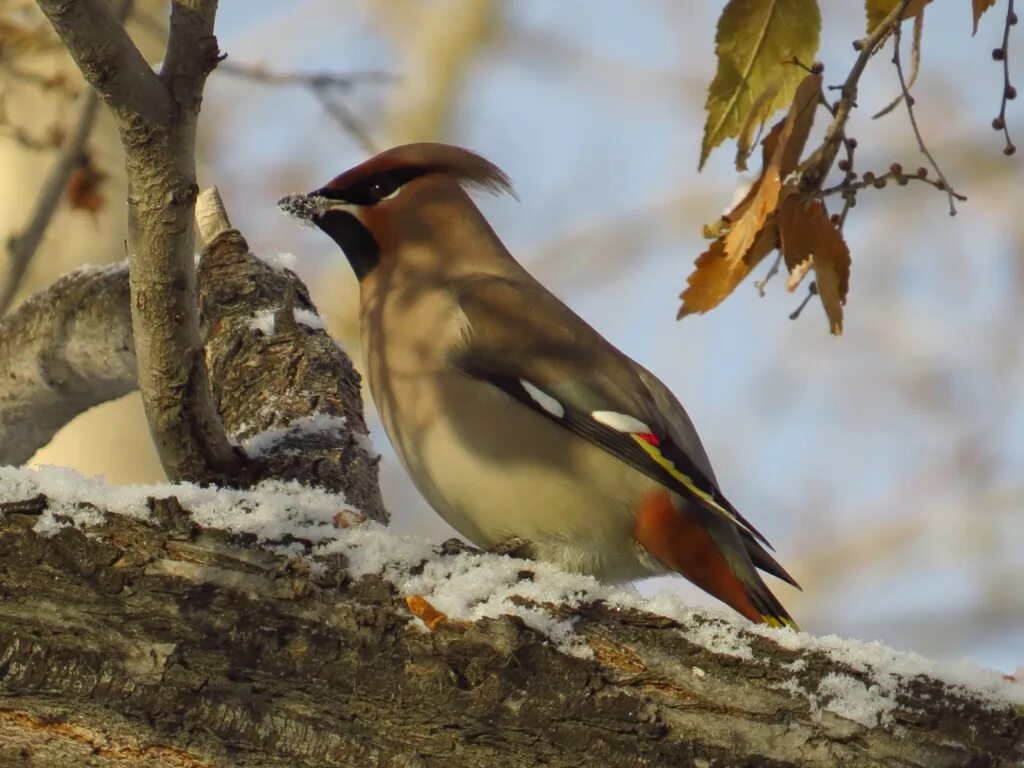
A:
(348, 121)
(325, 87)
(915, 67)
(22, 246)
(812, 291)
(820, 163)
(909, 100)
(260, 74)
(761, 284)
(97, 41)
(879, 181)
(1009, 92)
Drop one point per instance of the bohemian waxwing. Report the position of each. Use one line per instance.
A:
(516, 420)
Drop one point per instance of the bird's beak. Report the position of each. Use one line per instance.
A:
(315, 207)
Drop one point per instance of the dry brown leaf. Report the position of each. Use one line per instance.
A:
(979, 7)
(782, 147)
(809, 238)
(746, 235)
(83, 188)
(715, 276)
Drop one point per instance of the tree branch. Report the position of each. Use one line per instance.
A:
(64, 350)
(109, 61)
(193, 647)
(818, 166)
(157, 117)
(22, 246)
(291, 395)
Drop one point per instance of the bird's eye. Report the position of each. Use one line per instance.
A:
(383, 189)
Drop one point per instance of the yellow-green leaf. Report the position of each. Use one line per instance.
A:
(755, 43)
(979, 7)
(877, 10)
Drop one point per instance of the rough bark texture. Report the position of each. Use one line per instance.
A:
(263, 382)
(167, 645)
(156, 116)
(63, 351)
(70, 347)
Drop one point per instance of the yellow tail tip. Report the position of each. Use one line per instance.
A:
(778, 622)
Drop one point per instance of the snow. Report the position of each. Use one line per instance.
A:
(270, 511)
(364, 442)
(869, 705)
(264, 321)
(279, 262)
(470, 586)
(314, 424)
(309, 318)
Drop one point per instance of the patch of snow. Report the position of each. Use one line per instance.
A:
(471, 586)
(889, 668)
(720, 637)
(309, 318)
(314, 424)
(102, 269)
(270, 511)
(366, 444)
(263, 321)
(792, 686)
(869, 705)
(279, 262)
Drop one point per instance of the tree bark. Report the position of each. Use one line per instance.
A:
(167, 645)
(156, 116)
(64, 351)
(70, 347)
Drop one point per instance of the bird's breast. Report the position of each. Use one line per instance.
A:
(492, 467)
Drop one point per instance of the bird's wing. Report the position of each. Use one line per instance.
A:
(523, 340)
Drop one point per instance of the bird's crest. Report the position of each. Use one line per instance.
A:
(401, 165)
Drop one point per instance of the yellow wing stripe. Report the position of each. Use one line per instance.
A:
(668, 466)
(652, 450)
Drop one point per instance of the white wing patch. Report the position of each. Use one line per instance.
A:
(620, 422)
(543, 399)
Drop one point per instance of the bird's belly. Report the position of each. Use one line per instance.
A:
(494, 469)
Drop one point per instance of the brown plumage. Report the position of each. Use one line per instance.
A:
(516, 419)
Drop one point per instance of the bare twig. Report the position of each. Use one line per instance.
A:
(325, 87)
(820, 162)
(343, 82)
(879, 181)
(348, 121)
(846, 166)
(812, 291)
(1009, 91)
(760, 284)
(909, 100)
(915, 67)
(22, 246)
(157, 118)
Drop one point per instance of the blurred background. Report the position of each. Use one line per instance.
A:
(886, 466)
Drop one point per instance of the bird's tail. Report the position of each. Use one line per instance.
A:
(710, 553)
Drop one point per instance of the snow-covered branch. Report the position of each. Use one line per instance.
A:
(270, 628)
